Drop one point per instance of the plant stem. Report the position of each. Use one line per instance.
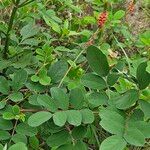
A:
(96, 137)
(70, 132)
(9, 29)
(25, 3)
(84, 47)
(33, 110)
(127, 58)
(10, 24)
(70, 68)
(13, 132)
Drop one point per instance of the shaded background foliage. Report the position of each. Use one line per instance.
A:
(74, 75)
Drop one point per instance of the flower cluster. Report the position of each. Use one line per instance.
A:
(90, 42)
(102, 19)
(131, 6)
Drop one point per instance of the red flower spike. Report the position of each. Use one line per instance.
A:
(90, 42)
(131, 7)
(102, 19)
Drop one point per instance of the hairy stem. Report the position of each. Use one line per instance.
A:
(96, 137)
(13, 132)
(10, 25)
(84, 47)
(70, 68)
(26, 3)
(33, 110)
(124, 52)
(9, 29)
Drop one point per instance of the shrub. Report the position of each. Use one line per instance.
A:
(68, 82)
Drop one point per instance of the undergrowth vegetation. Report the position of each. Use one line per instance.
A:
(73, 76)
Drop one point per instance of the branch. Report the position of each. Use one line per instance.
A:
(13, 132)
(33, 110)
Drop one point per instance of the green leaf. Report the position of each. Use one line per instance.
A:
(19, 79)
(18, 146)
(145, 38)
(28, 31)
(30, 42)
(16, 109)
(148, 67)
(112, 78)
(43, 78)
(79, 132)
(4, 64)
(75, 8)
(35, 78)
(93, 81)
(126, 100)
(143, 127)
(25, 129)
(113, 142)
(89, 20)
(16, 96)
(23, 60)
(4, 86)
(47, 102)
(65, 147)
(34, 142)
(97, 61)
(97, 99)
(80, 145)
(39, 118)
(137, 115)
(76, 98)
(87, 116)
(57, 71)
(74, 117)
(145, 107)
(62, 49)
(55, 26)
(19, 138)
(1, 147)
(143, 76)
(33, 99)
(60, 118)
(119, 14)
(58, 139)
(5, 124)
(2, 104)
(4, 135)
(60, 97)
(112, 121)
(8, 115)
(36, 87)
(134, 137)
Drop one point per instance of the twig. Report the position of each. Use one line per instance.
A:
(33, 110)
(70, 132)
(96, 137)
(13, 131)
(42, 144)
